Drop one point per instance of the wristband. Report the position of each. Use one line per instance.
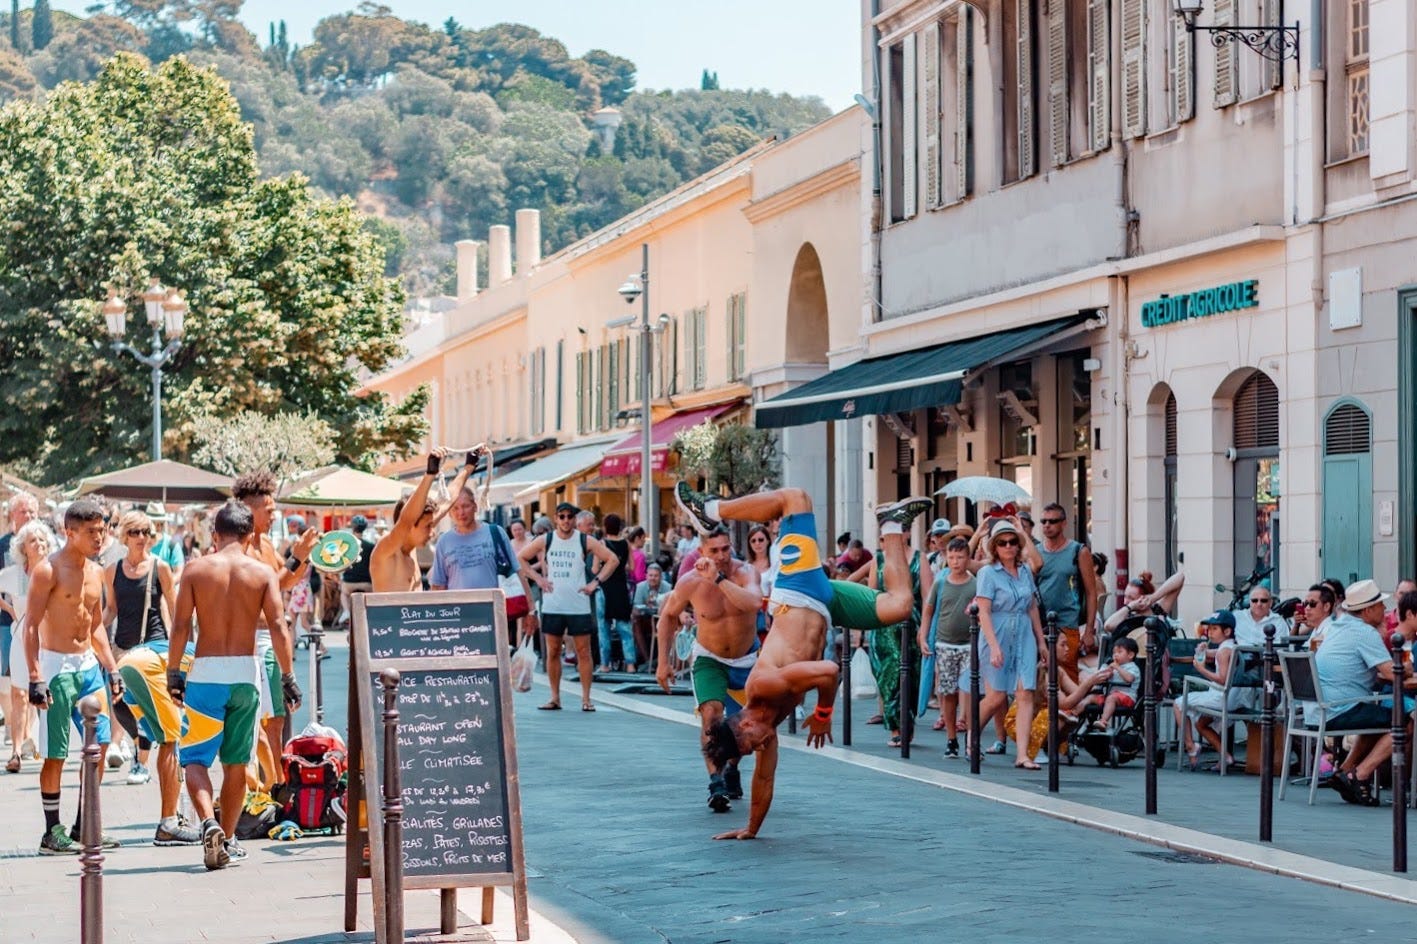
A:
(822, 713)
(293, 564)
(434, 465)
(720, 578)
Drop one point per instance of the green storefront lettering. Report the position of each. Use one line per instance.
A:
(1173, 309)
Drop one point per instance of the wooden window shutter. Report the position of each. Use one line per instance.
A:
(700, 348)
(1058, 81)
(1226, 78)
(933, 195)
(1027, 159)
(964, 101)
(1134, 68)
(1171, 440)
(1099, 76)
(1273, 71)
(1257, 414)
(1183, 71)
(1348, 431)
(909, 121)
(580, 393)
(672, 375)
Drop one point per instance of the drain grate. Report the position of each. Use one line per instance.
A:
(1171, 855)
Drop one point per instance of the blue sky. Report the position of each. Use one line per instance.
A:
(806, 47)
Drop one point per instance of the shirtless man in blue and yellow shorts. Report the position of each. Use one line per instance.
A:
(222, 692)
(161, 721)
(803, 603)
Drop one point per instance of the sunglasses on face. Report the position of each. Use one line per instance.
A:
(1052, 520)
(564, 517)
(1265, 600)
(140, 532)
(1006, 542)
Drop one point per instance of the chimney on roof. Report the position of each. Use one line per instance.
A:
(467, 268)
(528, 240)
(499, 255)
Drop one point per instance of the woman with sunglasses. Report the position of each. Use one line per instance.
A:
(760, 559)
(136, 587)
(1012, 632)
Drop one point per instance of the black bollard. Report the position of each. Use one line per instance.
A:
(1399, 757)
(1153, 629)
(1050, 635)
(91, 828)
(976, 750)
(904, 697)
(846, 687)
(318, 689)
(1267, 737)
(393, 810)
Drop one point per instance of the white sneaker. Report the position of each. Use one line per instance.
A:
(1042, 758)
(139, 774)
(29, 750)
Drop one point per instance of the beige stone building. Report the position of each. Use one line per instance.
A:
(1115, 263)
(751, 267)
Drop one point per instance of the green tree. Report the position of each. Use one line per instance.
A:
(16, 79)
(283, 444)
(616, 75)
(152, 172)
(15, 25)
(708, 82)
(41, 24)
(78, 54)
(732, 459)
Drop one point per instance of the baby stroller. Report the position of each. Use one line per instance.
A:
(1125, 737)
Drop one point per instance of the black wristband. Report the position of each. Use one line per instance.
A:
(293, 564)
(720, 578)
(434, 464)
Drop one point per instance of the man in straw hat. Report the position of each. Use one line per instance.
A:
(1350, 664)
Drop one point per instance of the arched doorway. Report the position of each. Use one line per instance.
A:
(1255, 441)
(807, 326)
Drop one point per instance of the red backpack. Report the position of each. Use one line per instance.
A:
(315, 772)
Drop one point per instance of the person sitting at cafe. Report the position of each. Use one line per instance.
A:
(648, 594)
(1350, 664)
(1250, 623)
(1317, 613)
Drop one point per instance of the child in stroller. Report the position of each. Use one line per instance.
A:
(1109, 718)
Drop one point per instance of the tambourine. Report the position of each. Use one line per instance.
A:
(335, 552)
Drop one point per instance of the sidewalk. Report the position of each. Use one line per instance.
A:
(285, 892)
(1215, 815)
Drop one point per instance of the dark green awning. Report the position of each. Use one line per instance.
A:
(898, 383)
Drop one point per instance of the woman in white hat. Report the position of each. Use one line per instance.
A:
(1012, 632)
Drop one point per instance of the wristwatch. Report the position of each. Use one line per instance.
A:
(720, 578)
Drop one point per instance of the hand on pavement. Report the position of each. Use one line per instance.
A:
(819, 732)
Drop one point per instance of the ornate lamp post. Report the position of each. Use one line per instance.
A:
(1275, 43)
(166, 312)
(636, 287)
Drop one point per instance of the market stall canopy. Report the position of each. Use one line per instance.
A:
(910, 380)
(162, 481)
(530, 480)
(624, 457)
(338, 486)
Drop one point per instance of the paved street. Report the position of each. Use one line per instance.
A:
(618, 850)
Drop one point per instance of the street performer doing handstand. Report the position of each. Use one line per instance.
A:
(803, 602)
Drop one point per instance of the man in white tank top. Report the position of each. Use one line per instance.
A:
(566, 605)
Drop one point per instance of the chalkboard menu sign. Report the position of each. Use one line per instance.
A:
(456, 741)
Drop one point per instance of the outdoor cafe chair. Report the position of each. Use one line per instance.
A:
(1308, 715)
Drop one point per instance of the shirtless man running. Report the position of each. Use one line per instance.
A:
(69, 658)
(392, 565)
(257, 490)
(726, 598)
(803, 601)
(229, 591)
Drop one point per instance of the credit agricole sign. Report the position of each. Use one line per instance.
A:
(1172, 309)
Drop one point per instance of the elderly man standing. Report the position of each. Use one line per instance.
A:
(1350, 664)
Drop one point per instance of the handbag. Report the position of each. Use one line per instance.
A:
(517, 603)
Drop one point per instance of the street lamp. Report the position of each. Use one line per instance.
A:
(1275, 43)
(166, 310)
(636, 286)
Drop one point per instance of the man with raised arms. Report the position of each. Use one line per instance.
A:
(257, 490)
(802, 604)
(392, 565)
(69, 658)
(726, 598)
(229, 591)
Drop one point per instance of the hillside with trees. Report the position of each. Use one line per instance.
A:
(435, 132)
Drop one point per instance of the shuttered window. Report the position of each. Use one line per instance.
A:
(964, 104)
(1171, 452)
(1257, 414)
(1023, 58)
(1057, 59)
(581, 387)
(1134, 68)
(612, 407)
(1183, 71)
(1099, 72)
(560, 385)
(737, 336)
(934, 195)
(909, 122)
(1348, 431)
(1227, 80)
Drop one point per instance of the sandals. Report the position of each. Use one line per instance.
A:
(13, 765)
(549, 706)
(876, 719)
(1026, 765)
(587, 707)
(1193, 761)
(996, 748)
(1357, 792)
(940, 724)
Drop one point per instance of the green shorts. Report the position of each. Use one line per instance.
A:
(853, 606)
(717, 681)
(273, 684)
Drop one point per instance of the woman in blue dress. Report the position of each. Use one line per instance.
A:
(1012, 634)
